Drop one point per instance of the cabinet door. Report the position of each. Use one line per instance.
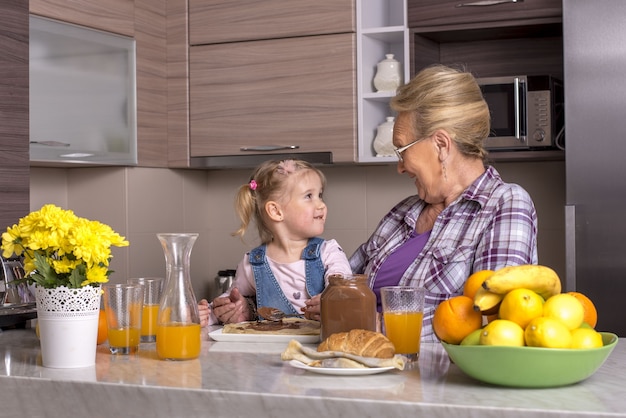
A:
(243, 20)
(448, 12)
(293, 91)
(14, 167)
(110, 15)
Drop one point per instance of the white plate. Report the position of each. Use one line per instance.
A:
(339, 372)
(217, 335)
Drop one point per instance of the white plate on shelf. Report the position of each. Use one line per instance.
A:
(217, 335)
(340, 372)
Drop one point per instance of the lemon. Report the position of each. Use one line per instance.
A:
(547, 332)
(521, 306)
(585, 337)
(566, 308)
(473, 338)
(502, 332)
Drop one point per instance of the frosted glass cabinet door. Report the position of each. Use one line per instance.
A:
(82, 95)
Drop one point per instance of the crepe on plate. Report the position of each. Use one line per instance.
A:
(337, 359)
(286, 326)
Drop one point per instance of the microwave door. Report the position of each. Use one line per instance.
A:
(507, 105)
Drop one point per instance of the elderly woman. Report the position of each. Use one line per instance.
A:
(464, 217)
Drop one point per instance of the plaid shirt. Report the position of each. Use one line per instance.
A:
(492, 224)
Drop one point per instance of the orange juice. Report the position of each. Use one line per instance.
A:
(404, 329)
(176, 341)
(149, 320)
(123, 337)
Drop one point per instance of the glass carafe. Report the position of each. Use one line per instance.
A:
(178, 321)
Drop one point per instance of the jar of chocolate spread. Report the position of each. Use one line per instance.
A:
(347, 303)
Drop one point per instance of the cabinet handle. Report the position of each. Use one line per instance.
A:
(51, 143)
(268, 148)
(483, 3)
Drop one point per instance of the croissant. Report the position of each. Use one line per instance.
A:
(359, 342)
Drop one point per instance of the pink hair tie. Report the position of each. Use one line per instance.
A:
(253, 185)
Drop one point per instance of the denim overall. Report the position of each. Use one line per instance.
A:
(268, 291)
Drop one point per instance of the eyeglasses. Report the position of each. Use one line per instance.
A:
(400, 150)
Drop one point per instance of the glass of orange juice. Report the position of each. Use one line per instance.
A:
(123, 304)
(403, 313)
(152, 287)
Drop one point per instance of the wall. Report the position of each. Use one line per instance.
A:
(140, 202)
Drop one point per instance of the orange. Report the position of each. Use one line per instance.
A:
(475, 281)
(591, 314)
(103, 329)
(548, 333)
(502, 332)
(455, 318)
(566, 308)
(521, 306)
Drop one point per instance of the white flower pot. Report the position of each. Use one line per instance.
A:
(68, 326)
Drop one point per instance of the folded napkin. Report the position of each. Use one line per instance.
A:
(337, 359)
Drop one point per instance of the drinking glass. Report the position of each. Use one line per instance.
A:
(123, 305)
(403, 314)
(152, 287)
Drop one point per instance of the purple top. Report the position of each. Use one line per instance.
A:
(396, 264)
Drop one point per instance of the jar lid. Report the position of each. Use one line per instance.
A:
(228, 272)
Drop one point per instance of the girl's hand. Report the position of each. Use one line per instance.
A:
(312, 308)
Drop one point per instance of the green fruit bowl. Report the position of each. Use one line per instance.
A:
(530, 367)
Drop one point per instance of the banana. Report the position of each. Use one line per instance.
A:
(540, 279)
(485, 300)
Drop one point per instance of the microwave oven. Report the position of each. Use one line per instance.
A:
(526, 112)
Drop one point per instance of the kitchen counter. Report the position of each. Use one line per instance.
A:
(249, 379)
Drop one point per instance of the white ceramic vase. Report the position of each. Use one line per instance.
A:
(388, 75)
(383, 143)
(68, 325)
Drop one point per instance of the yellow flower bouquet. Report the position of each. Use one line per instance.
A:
(61, 249)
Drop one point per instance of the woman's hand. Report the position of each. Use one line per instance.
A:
(205, 311)
(231, 309)
(312, 308)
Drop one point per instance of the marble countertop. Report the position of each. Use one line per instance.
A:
(249, 379)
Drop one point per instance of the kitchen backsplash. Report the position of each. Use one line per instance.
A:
(139, 202)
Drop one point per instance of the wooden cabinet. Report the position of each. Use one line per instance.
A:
(500, 38)
(243, 20)
(14, 166)
(288, 92)
(115, 16)
(451, 12)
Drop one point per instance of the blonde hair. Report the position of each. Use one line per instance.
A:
(440, 97)
(270, 181)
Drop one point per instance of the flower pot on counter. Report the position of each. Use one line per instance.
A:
(68, 325)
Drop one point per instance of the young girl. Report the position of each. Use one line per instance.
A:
(291, 266)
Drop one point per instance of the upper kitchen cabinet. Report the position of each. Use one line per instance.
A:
(244, 20)
(276, 95)
(491, 38)
(481, 12)
(117, 16)
(146, 23)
